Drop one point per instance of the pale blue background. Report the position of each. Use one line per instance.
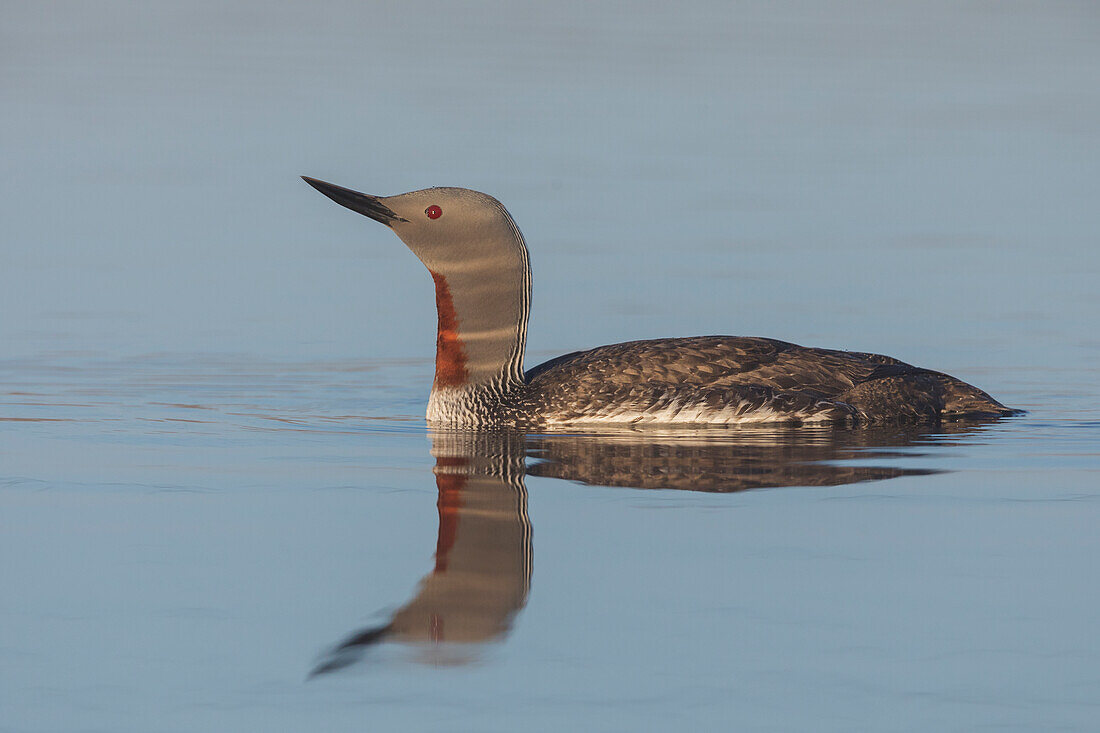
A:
(917, 179)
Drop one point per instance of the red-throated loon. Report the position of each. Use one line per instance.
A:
(478, 259)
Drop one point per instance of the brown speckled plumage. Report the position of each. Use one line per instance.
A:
(741, 376)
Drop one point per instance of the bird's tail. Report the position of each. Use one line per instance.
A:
(962, 400)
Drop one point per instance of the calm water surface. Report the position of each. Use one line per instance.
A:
(220, 508)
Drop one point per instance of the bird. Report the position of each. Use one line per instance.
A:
(479, 263)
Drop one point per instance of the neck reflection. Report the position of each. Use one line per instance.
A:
(483, 556)
(482, 566)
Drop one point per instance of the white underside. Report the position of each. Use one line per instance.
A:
(447, 407)
(694, 415)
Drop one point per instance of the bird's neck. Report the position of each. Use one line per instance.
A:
(482, 332)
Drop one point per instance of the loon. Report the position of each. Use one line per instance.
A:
(478, 260)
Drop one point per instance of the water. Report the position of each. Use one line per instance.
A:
(216, 486)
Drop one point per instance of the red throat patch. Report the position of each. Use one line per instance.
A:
(450, 352)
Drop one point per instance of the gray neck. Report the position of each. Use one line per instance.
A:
(483, 304)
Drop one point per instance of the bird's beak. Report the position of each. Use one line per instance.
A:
(360, 202)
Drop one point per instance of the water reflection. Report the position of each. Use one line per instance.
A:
(482, 555)
(718, 461)
(483, 552)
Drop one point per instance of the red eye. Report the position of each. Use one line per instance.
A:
(433, 212)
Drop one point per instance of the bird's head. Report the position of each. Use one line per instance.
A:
(447, 228)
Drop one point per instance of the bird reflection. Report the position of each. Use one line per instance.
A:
(483, 553)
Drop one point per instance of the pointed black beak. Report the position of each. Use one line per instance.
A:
(360, 202)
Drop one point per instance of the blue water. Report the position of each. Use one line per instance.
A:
(220, 508)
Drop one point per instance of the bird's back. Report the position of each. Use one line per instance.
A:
(727, 379)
